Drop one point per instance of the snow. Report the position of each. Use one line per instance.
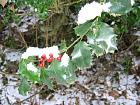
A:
(106, 7)
(13, 56)
(35, 51)
(65, 60)
(31, 67)
(89, 11)
(132, 2)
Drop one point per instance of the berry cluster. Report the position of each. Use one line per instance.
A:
(43, 59)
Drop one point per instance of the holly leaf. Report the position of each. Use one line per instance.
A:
(82, 29)
(33, 76)
(81, 55)
(105, 40)
(44, 77)
(97, 50)
(120, 6)
(24, 87)
(63, 75)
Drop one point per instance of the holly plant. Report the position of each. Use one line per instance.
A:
(95, 38)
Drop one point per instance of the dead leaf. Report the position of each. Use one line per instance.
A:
(12, 7)
(3, 2)
(114, 93)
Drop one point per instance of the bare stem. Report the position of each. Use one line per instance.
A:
(7, 74)
(132, 45)
(72, 3)
(46, 34)
(22, 37)
(36, 36)
(65, 50)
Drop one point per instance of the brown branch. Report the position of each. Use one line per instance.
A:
(46, 34)
(22, 37)
(36, 35)
(132, 45)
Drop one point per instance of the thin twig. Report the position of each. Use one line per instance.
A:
(7, 74)
(132, 45)
(65, 50)
(22, 37)
(20, 102)
(36, 36)
(63, 4)
(7, 98)
(69, 4)
(24, 14)
(46, 34)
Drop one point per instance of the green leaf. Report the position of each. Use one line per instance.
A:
(24, 87)
(97, 50)
(82, 29)
(63, 75)
(33, 76)
(81, 55)
(120, 6)
(105, 40)
(44, 77)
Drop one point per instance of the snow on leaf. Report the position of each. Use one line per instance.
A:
(65, 60)
(132, 2)
(92, 10)
(35, 51)
(29, 74)
(106, 7)
(31, 67)
(31, 51)
(89, 11)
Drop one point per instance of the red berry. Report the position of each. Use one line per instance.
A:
(50, 59)
(51, 55)
(42, 61)
(59, 58)
(41, 64)
(44, 57)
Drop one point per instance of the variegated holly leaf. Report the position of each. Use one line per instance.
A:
(102, 40)
(63, 74)
(81, 55)
(82, 29)
(121, 6)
